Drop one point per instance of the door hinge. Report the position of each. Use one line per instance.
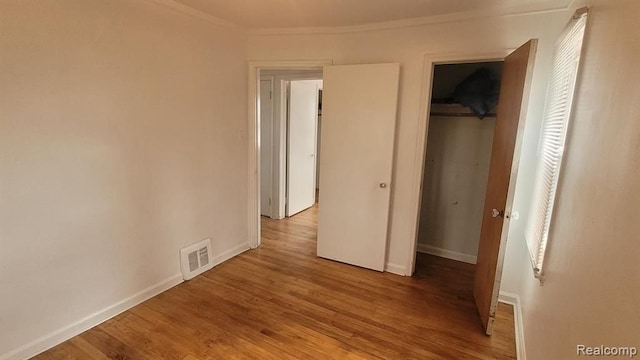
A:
(270, 94)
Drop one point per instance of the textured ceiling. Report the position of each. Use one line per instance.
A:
(325, 13)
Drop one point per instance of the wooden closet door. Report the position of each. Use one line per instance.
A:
(512, 107)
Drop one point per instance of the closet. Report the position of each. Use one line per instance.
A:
(456, 168)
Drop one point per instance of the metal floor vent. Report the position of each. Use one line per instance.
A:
(196, 259)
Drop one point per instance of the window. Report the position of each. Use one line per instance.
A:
(552, 138)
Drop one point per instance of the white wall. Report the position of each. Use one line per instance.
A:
(454, 185)
(123, 136)
(591, 295)
(408, 46)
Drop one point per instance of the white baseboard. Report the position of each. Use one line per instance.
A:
(453, 255)
(514, 299)
(50, 340)
(219, 259)
(508, 298)
(395, 269)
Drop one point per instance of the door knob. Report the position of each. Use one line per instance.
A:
(383, 185)
(496, 213)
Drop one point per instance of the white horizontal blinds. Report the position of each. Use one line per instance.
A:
(552, 140)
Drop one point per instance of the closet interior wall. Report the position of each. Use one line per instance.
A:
(456, 170)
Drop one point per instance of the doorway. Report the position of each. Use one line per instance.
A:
(456, 165)
(460, 133)
(360, 102)
(289, 118)
(289, 137)
(511, 110)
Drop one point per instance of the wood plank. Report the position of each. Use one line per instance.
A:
(282, 302)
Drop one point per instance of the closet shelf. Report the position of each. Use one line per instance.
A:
(454, 110)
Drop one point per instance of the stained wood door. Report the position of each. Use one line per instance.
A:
(358, 126)
(301, 146)
(512, 107)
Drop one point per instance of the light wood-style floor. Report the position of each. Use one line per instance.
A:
(282, 302)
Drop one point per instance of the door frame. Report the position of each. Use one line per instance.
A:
(283, 134)
(281, 79)
(272, 80)
(253, 174)
(429, 63)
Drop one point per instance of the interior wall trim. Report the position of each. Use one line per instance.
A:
(514, 300)
(376, 26)
(190, 11)
(398, 24)
(447, 254)
(65, 333)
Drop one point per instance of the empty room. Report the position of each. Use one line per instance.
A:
(361, 179)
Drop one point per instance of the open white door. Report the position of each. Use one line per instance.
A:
(301, 149)
(358, 129)
(266, 146)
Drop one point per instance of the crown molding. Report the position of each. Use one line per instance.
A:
(571, 4)
(404, 23)
(188, 10)
(377, 26)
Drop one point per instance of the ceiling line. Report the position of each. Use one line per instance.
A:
(190, 11)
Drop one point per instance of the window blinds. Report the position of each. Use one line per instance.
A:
(552, 138)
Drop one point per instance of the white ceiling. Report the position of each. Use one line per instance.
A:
(325, 13)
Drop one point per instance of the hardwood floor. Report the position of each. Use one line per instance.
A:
(282, 302)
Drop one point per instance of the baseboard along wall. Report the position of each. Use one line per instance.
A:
(448, 254)
(514, 300)
(67, 332)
